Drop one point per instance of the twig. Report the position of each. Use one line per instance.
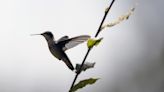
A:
(89, 49)
(106, 13)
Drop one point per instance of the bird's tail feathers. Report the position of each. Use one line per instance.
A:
(68, 63)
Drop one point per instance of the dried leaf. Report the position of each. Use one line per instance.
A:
(86, 66)
(119, 20)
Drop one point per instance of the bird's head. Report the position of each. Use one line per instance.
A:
(47, 35)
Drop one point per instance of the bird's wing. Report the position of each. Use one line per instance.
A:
(72, 42)
(63, 38)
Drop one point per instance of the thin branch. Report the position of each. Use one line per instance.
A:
(106, 13)
(78, 72)
(89, 49)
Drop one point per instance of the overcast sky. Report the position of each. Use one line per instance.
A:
(129, 59)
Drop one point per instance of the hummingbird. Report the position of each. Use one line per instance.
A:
(58, 48)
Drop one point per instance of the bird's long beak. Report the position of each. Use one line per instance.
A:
(35, 34)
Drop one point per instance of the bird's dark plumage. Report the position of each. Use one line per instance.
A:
(58, 48)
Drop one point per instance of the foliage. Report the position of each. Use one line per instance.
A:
(83, 83)
(86, 66)
(93, 42)
(119, 19)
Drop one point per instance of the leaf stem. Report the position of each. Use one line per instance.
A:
(89, 49)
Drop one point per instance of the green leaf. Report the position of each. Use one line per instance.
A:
(93, 42)
(83, 83)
